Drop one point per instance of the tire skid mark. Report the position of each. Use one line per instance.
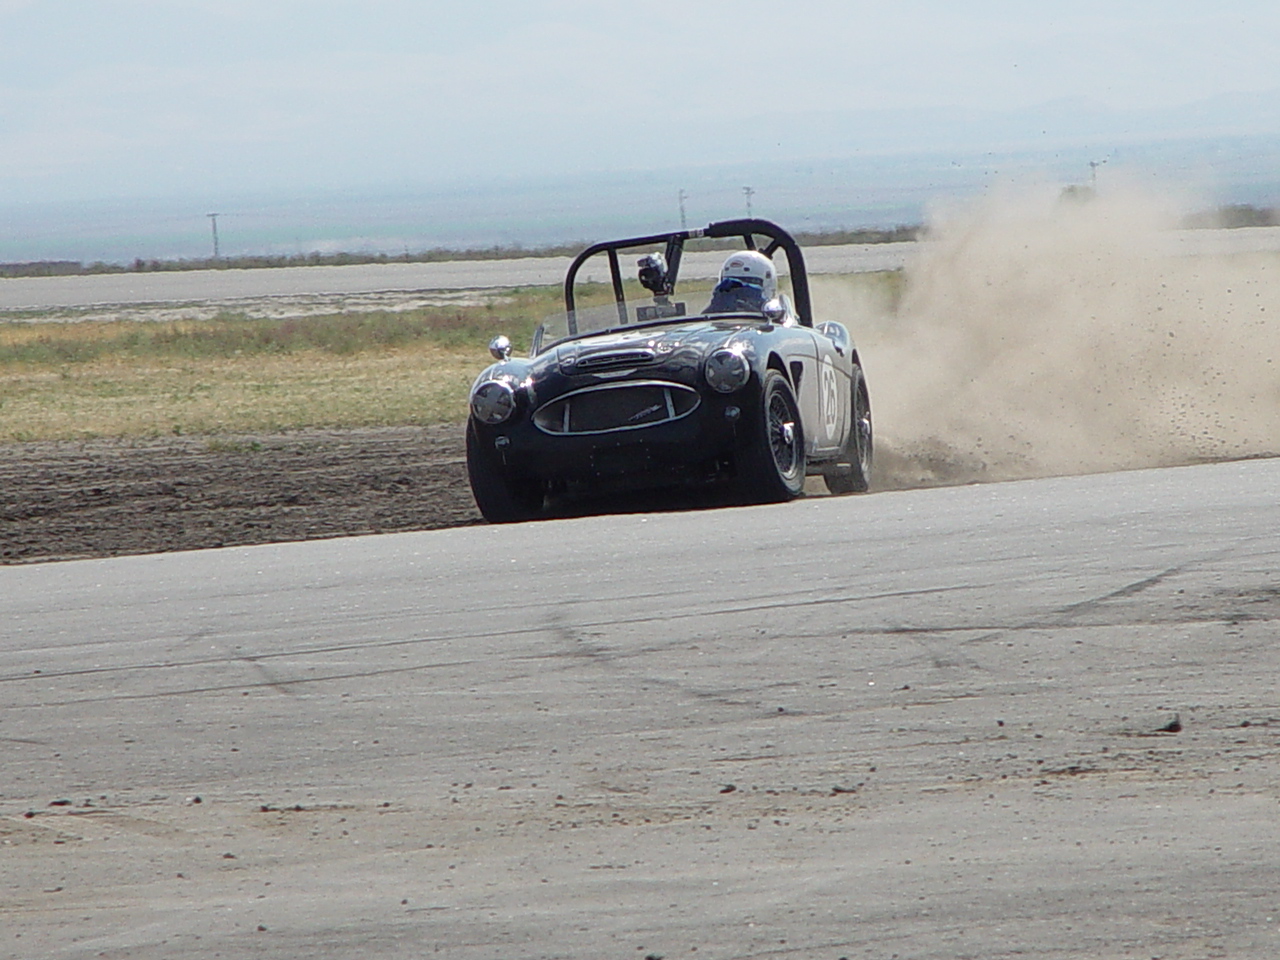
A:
(224, 687)
(280, 686)
(487, 634)
(1060, 618)
(1065, 615)
(605, 656)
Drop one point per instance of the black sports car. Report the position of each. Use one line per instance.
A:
(631, 388)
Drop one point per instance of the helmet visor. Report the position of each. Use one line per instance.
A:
(734, 283)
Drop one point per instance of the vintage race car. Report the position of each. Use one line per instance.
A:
(633, 388)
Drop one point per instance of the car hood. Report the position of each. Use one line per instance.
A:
(627, 350)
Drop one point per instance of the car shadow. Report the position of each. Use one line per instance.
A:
(667, 500)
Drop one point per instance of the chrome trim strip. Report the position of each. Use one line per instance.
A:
(612, 359)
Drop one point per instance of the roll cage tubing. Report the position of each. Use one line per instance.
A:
(748, 230)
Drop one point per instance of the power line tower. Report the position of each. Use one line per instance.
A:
(748, 192)
(684, 221)
(213, 220)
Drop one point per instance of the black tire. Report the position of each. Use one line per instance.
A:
(772, 468)
(500, 499)
(853, 473)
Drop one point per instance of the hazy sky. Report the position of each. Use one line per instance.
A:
(135, 98)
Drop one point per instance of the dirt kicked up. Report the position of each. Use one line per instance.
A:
(1041, 336)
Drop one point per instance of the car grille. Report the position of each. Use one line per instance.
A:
(616, 406)
(612, 360)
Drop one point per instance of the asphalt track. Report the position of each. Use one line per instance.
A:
(1033, 719)
(41, 293)
(36, 293)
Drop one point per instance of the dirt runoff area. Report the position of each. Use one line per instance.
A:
(104, 498)
(108, 498)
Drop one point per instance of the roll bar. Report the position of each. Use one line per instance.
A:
(748, 229)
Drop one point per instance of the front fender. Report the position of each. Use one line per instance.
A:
(514, 372)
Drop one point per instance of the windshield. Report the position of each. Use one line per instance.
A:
(588, 320)
(696, 294)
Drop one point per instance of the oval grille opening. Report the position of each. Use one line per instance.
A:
(628, 406)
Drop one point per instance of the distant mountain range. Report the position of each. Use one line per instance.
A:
(857, 180)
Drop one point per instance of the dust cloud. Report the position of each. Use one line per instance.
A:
(1038, 335)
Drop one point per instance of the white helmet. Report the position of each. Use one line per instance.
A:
(752, 269)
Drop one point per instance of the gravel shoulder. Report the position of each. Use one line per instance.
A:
(106, 498)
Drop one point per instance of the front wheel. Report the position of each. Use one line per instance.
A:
(773, 465)
(853, 473)
(500, 499)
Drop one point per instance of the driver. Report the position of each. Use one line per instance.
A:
(747, 282)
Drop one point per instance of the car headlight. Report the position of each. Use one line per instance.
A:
(727, 370)
(493, 401)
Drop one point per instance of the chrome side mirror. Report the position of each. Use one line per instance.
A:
(775, 311)
(500, 347)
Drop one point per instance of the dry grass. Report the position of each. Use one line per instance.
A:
(111, 398)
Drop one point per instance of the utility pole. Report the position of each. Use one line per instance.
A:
(1093, 173)
(684, 222)
(748, 192)
(213, 219)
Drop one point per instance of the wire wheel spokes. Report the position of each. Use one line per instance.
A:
(862, 424)
(783, 436)
(772, 462)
